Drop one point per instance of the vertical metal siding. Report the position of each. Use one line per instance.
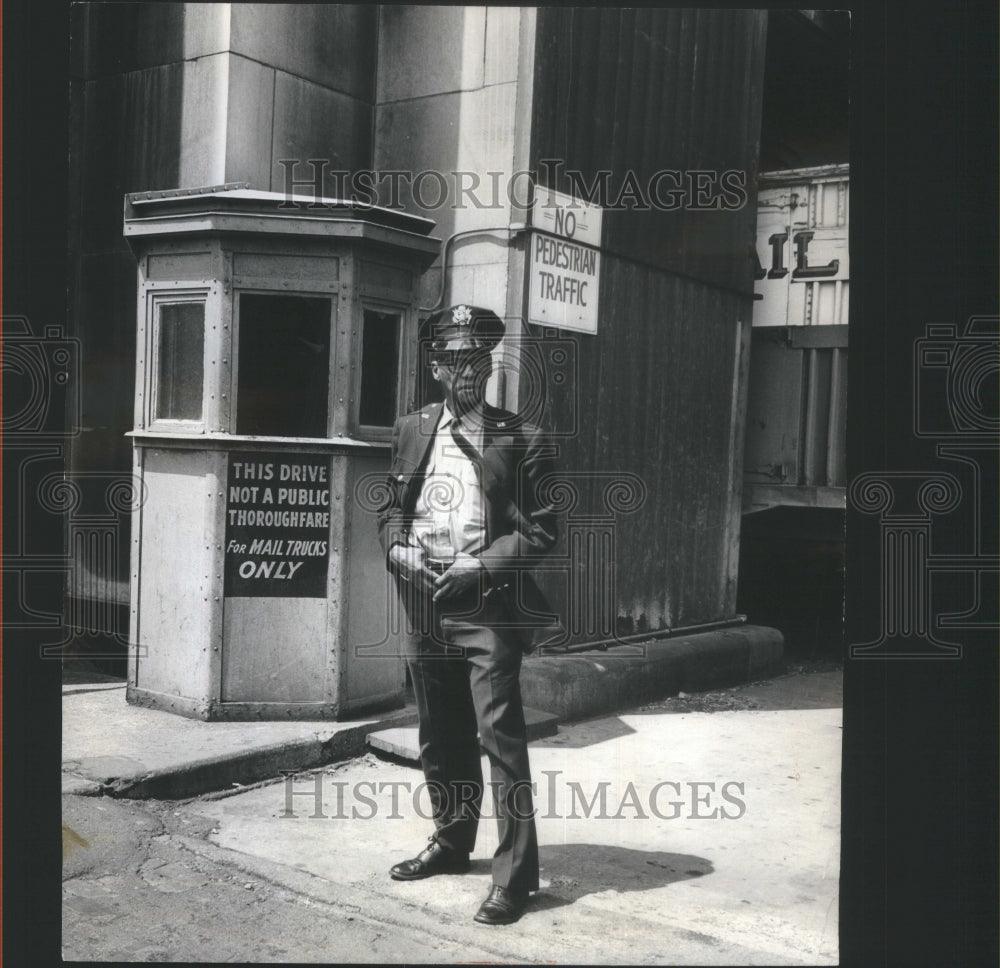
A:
(646, 90)
(655, 400)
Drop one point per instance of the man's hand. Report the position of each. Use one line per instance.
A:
(409, 563)
(464, 573)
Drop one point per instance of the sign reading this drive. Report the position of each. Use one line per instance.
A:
(277, 526)
(565, 266)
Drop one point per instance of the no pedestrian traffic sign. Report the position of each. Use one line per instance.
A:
(564, 262)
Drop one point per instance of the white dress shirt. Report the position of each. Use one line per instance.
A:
(449, 517)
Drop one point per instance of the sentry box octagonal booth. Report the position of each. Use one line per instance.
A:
(276, 344)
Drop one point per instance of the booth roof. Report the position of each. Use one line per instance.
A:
(240, 198)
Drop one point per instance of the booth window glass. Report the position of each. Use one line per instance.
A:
(379, 369)
(181, 361)
(283, 387)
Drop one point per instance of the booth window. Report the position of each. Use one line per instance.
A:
(283, 386)
(379, 369)
(180, 360)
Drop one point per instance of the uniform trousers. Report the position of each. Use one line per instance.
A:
(465, 666)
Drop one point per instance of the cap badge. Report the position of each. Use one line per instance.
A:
(462, 316)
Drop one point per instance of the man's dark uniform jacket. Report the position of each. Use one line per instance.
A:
(520, 523)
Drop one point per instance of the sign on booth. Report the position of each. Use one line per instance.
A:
(277, 526)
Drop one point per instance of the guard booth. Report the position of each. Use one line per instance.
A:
(276, 344)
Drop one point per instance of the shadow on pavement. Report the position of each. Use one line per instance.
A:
(81, 672)
(815, 690)
(823, 690)
(98, 687)
(586, 732)
(576, 870)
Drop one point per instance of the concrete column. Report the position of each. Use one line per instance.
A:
(451, 112)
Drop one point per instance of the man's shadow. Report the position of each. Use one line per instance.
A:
(575, 870)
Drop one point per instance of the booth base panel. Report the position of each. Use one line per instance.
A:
(215, 711)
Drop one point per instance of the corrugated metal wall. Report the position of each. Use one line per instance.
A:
(661, 388)
(654, 400)
(646, 90)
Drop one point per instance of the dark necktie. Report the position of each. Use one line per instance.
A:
(470, 452)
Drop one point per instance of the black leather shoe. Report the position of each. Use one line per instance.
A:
(434, 859)
(501, 907)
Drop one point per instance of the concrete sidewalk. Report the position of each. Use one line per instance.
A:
(701, 829)
(665, 838)
(110, 747)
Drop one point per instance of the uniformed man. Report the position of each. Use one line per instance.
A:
(463, 523)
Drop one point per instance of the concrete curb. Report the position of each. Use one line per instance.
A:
(380, 908)
(583, 684)
(573, 686)
(266, 762)
(403, 743)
